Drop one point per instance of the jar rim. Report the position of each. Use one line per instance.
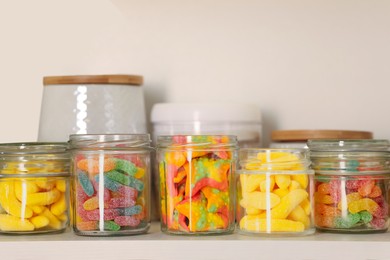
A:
(178, 142)
(31, 148)
(356, 145)
(109, 141)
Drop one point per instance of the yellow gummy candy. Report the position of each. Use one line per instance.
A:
(302, 179)
(251, 182)
(38, 209)
(258, 200)
(10, 203)
(299, 214)
(63, 217)
(350, 197)
(363, 204)
(61, 185)
(253, 211)
(257, 224)
(281, 192)
(45, 184)
(270, 182)
(294, 185)
(282, 180)
(39, 221)
(54, 222)
(22, 188)
(11, 223)
(59, 207)
(305, 204)
(140, 173)
(43, 198)
(287, 204)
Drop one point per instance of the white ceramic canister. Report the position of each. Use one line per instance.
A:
(242, 120)
(93, 104)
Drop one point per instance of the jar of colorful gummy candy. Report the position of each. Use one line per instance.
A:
(274, 192)
(34, 194)
(196, 183)
(351, 185)
(111, 184)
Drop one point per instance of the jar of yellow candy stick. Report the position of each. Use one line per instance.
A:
(274, 189)
(34, 181)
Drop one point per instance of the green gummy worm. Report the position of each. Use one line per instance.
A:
(125, 180)
(125, 166)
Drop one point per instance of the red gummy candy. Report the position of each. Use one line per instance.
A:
(107, 195)
(81, 196)
(120, 202)
(352, 184)
(179, 139)
(128, 192)
(87, 225)
(378, 223)
(109, 214)
(130, 221)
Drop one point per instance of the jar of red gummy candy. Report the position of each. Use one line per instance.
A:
(196, 189)
(351, 185)
(274, 191)
(34, 188)
(111, 184)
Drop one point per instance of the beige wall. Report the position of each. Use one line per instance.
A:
(307, 64)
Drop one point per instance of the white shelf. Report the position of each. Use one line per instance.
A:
(156, 245)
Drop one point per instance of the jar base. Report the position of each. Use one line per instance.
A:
(351, 231)
(126, 232)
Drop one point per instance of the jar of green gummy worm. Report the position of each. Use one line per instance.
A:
(34, 188)
(197, 183)
(351, 185)
(111, 184)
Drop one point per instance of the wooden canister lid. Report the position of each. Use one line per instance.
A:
(304, 135)
(118, 79)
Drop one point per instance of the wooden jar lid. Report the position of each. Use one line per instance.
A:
(304, 135)
(118, 79)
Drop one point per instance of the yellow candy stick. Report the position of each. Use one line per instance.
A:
(299, 214)
(258, 200)
(294, 185)
(43, 198)
(25, 187)
(37, 209)
(257, 224)
(251, 182)
(282, 180)
(10, 203)
(45, 184)
(61, 185)
(263, 184)
(281, 192)
(54, 222)
(305, 204)
(59, 207)
(11, 223)
(302, 179)
(39, 221)
(287, 204)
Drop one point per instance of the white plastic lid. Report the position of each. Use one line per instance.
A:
(210, 112)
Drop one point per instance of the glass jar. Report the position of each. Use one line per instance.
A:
(34, 194)
(94, 104)
(111, 184)
(196, 189)
(351, 185)
(274, 192)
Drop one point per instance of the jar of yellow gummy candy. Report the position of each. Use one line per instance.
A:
(351, 185)
(111, 184)
(196, 183)
(274, 188)
(34, 181)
